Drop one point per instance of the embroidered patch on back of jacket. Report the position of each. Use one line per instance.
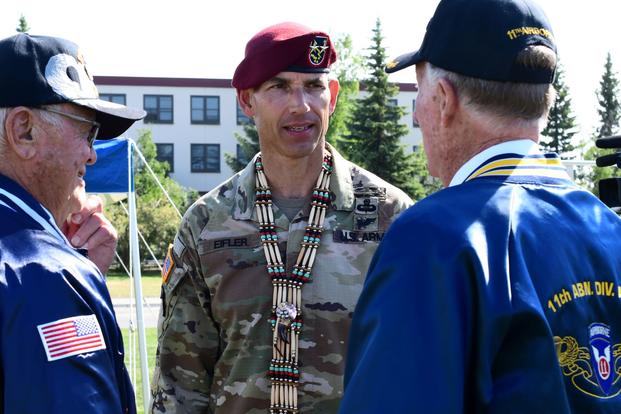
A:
(594, 369)
(71, 336)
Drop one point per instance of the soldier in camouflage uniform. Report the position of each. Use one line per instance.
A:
(215, 338)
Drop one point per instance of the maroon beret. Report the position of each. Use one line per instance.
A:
(288, 47)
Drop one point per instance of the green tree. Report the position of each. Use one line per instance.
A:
(347, 70)
(608, 99)
(609, 113)
(249, 146)
(23, 25)
(157, 219)
(561, 127)
(375, 129)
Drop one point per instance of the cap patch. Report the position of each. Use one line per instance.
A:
(392, 64)
(68, 78)
(317, 50)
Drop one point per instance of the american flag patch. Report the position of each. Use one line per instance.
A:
(71, 336)
(169, 263)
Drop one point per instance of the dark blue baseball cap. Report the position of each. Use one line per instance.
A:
(482, 38)
(44, 70)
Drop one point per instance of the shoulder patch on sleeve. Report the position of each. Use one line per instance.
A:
(169, 264)
(71, 336)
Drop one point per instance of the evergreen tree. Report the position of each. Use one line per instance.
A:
(375, 129)
(347, 70)
(249, 146)
(607, 97)
(23, 25)
(609, 113)
(561, 126)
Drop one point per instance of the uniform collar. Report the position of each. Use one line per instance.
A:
(14, 196)
(517, 148)
(341, 187)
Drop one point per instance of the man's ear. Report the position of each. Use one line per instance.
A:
(18, 126)
(243, 98)
(449, 101)
(334, 86)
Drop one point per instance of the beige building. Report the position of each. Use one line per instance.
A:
(193, 122)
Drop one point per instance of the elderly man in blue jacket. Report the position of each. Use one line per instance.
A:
(501, 292)
(60, 346)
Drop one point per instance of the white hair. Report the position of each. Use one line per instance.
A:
(48, 117)
(534, 99)
(3, 112)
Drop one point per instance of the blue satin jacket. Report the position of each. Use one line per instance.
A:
(498, 295)
(61, 349)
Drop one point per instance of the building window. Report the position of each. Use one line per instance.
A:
(166, 153)
(392, 102)
(205, 157)
(414, 123)
(415, 148)
(205, 109)
(118, 98)
(159, 109)
(242, 118)
(241, 157)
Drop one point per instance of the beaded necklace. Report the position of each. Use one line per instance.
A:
(286, 319)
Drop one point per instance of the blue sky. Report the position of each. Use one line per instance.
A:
(207, 38)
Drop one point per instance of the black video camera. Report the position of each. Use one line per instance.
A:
(610, 188)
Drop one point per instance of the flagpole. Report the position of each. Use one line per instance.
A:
(135, 255)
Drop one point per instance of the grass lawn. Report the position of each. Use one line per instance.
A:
(151, 334)
(118, 284)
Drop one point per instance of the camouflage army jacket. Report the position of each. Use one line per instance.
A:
(214, 336)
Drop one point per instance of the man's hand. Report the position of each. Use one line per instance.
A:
(89, 229)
